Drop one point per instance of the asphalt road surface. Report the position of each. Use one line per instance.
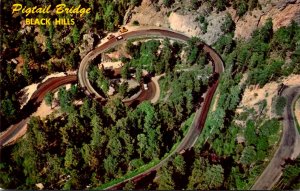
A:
(267, 179)
(50, 85)
(288, 143)
(200, 117)
(201, 114)
(84, 65)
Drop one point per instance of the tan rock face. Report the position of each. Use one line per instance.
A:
(282, 13)
(182, 19)
(283, 17)
(246, 25)
(254, 94)
(148, 14)
(184, 23)
(40, 186)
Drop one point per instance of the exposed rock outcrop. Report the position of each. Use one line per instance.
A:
(282, 4)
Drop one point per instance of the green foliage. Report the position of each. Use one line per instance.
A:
(265, 33)
(242, 8)
(123, 89)
(168, 3)
(110, 17)
(86, 153)
(138, 75)
(250, 133)
(27, 73)
(291, 175)
(110, 165)
(75, 34)
(204, 26)
(197, 176)
(228, 26)
(266, 73)
(51, 31)
(136, 163)
(262, 143)
(193, 50)
(148, 54)
(135, 2)
(179, 164)
(205, 176)
(201, 18)
(125, 71)
(129, 185)
(253, 4)
(270, 127)
(94, 73)
(214, 177)
(280, 104)
(283, 39)
(221, 5)
(225, 44)
(64, 99)
(99, 78)
(49, 46)
(8, 108)
(49, 98)
(69, 158)
(248, 155)
(135, 23)
(96, 136)
(195, 4)
(166, 181)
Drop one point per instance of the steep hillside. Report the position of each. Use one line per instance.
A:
(183, 16)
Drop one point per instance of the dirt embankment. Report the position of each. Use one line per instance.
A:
(254, 95)
(27, 92)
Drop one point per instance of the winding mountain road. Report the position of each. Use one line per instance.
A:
(50, 85)
(194, 131)
(201, 114)
(199, 120)
(267, 179)
(289, 142)
(157, 32)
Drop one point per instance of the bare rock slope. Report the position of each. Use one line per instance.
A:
(181, 17)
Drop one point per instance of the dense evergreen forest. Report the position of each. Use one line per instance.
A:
(51, 54)
(90, 144)
(219, 161)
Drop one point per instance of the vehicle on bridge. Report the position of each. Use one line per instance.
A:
(182, 151)
(110, 36)
(123, 30)
(145, 86)
(120, 37)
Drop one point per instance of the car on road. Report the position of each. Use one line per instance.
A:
(123, 30)
(182, 151)
(145, 86)
(110, 36)
(120, 37)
